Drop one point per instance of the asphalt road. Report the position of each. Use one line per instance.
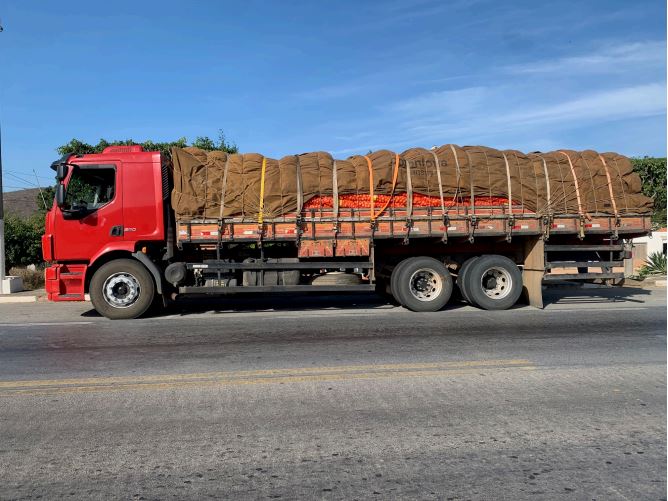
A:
(314, 398)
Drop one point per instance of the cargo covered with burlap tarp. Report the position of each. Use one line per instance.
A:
(214, 184)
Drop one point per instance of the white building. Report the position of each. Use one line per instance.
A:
(645, 246)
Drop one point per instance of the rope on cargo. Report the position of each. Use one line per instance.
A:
(206, 187)
(547, 178)
(621, 183)
(575, 181)
(260, 215)
(471, 190)
(371, 196)
(489, 174)
(612, 194)
(593, 186)
(459, 177)
(567, 196)
(510, 188)
(395, 175)
(335, 189)
(440, 181)
(409, 192)
(223, 189)
(564, 194)
(549, 208)
(300, 190)
(535, 178)
(519, 170)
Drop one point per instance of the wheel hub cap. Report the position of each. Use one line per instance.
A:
(425, 284)
(121, 290)
(496, 283)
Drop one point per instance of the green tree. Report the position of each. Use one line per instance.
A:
(652, 172)
(23, 240)
(44, 199)
(78, 147)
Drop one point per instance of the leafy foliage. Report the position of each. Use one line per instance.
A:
(656, 265)
(652, 172)
(45, 199)
(23, 240)
(77, 147)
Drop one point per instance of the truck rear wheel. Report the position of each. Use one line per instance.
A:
(461, 278)
(394, 281)
(493, 282)
(423, 284)
(122, 289)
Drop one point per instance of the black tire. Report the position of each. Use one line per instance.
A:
(461, 278)
(394, 281)
(424, 284)
(383, 290)
(494, 282)
(129, 289)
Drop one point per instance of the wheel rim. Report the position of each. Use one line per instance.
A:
(496, 283)
(121, 290)
(426, 284)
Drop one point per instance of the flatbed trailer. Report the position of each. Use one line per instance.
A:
(414, 254)
(343, 239)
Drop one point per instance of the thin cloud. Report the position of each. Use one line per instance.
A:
(626, 102)
(611, 59)
(484, 113)
(622, 103)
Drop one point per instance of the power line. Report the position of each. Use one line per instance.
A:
(23, 173)
(18, 178)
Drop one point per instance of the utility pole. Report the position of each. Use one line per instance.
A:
(2, 224)
(2, 219)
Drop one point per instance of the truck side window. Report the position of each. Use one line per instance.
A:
(91, 187)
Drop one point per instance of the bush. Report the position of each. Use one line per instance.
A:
(656, 264)
(23, 240)
(78, 147)
(32, 279)
(652, 172)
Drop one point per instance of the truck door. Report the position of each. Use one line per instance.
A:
(92, 216)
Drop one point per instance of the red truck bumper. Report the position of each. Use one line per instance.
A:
(65, 282)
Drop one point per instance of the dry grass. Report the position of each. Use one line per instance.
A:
(32, 280)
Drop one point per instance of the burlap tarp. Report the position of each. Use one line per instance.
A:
(211, 185)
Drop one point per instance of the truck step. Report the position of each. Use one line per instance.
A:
(277, 289)
(583, 248)
(583, 264)
(580, 276)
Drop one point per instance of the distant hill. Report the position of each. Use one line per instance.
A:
(22, 203)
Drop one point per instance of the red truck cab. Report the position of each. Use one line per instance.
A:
(111, 205)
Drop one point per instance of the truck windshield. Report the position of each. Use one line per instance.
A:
(91, 187)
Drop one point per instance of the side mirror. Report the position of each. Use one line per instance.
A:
(61, 172)
(60, 194)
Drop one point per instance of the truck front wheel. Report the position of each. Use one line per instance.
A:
(122, 289)
(493, 282)
(423, 284)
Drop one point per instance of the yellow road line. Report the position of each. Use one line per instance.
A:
(273, 376)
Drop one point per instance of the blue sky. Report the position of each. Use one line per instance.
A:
(348, 76)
